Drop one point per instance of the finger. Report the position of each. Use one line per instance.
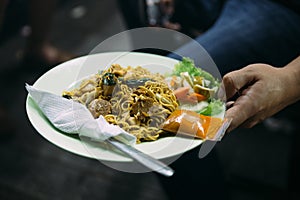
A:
(236, 80)
(243, 109)
(257, 118)
(235, 121)
(229, 104)
(250, 123)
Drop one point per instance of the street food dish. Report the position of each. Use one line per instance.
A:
(141, 102)
(63, 76)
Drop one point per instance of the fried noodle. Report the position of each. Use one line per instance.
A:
(139, 102)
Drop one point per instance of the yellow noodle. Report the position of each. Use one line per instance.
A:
(154, 101)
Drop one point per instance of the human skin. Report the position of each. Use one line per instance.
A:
(262, 90)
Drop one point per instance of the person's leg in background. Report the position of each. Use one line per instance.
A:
(249, 31)
(196, 16)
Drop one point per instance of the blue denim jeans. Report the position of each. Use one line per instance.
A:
(249, 31)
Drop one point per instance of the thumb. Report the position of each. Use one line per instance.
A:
(236, 80)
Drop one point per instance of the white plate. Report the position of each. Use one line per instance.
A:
(61, 77)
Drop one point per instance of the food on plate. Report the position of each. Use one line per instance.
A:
(149, 105)
(192, 124)
(132, 98)
(195, 88)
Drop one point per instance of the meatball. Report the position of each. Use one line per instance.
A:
(99, 107)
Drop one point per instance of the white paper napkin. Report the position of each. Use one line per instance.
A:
(74, 118)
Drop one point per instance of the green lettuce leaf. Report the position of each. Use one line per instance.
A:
(188, 65)
(214, 107)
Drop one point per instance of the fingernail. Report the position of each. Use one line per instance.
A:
(229, 104)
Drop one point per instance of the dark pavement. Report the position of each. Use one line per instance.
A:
(255, 163)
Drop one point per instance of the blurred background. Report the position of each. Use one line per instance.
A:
(247, 164)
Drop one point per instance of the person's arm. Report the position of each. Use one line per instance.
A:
(263, 91)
